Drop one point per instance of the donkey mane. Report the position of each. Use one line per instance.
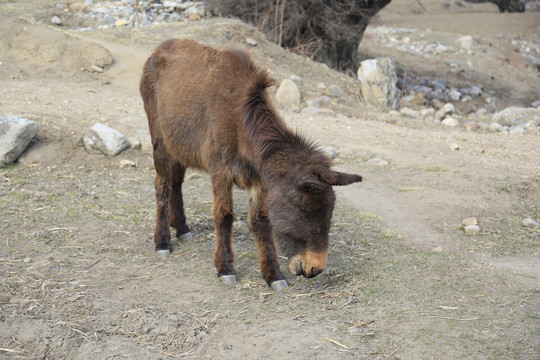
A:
(263, 125)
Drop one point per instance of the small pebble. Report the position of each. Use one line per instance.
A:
(471, 229)
(126, 163)
(469, 221)
(530, 223)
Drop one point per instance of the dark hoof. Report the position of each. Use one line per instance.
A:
(185, 237)
(163, 253)
(279, 285)
(228, 279)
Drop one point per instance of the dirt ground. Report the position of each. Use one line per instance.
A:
(79, 277)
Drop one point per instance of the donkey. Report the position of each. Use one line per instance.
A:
(208, 109)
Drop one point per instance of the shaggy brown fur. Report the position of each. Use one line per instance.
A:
(208, 109)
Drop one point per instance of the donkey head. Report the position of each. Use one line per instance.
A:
(300, 207)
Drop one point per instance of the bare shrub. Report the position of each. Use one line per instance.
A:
(328, 31)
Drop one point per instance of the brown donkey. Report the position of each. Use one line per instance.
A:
(208, 109)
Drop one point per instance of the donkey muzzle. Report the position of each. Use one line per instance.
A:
(309, 264)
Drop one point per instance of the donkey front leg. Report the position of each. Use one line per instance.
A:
(262, 230)
(223, 220)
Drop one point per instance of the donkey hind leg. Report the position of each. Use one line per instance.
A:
(176, 202)
(162, 234)
(260, 227)
(223, 220)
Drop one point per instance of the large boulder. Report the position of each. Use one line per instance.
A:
(15, 135)
(288, 95)
(103, 139)
(515, 115)
(378, 83)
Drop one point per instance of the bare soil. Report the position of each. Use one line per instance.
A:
(79, 277)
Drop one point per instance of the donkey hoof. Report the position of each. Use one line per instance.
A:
(163, 254)
(228, 279)
(185, 237)
(279, 285)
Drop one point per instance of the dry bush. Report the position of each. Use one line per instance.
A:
(328, 31)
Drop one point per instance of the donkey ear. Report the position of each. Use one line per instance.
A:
(346, 179)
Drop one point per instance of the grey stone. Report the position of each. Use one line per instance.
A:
(145, 140)
(251, 41)
(56, 20)
(495, 126)
(471, 229)
(288, 95)
(466, 42)
(104, 139)
(530, 223)
(405, 111)
(378, 83)
(336, 90)
(446, 110)
(377, 161)
(515, 115)
(517, 130)
(311, 110)
(455, 95)
(15, 135)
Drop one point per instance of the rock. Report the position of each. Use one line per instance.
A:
(126, 163)
(427, 112)
(469, 221)
(515, 115)
(311, 110)
(530, 223)
(314, 102)
(330, 151)
(251, 41)
(455, 95)
(288, 95)
(454, 146)
(471, 229)
(41, 153)
(240, 227)
(437, 249)
(146, 141)
(134, 143)
(466, 42)
(495, 126)
(56, 21)
(450, 122)
(297, 79)
(377, 161)
(15, 135)
(321, 86)
(101, 138)
(194, 17)
(121, 22)
(96, 68)
(517, 130)
(447, 109)
(378, 83)
(405, 111)
(336, 90)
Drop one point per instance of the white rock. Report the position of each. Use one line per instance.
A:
(495, 126)
(469, 221)
(15, 135)
(376, 161)
(447, 109)
(405, 111)
(127, 163)
(288, 95)
(471, 229)
(56, 20)
(515, 115)
(455, 95)
(297, 79)
(454, 146)
(427, 112)
(450, 122)
(517, 130)
(378, 83)
(311, 111)
(102, 138)
(466, 42)
(251, 41)
(146, 141)
(530, 223)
